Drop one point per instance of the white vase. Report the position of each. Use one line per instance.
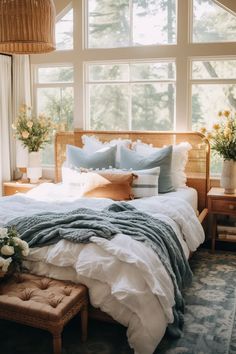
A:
(34, 169)
(228, 176)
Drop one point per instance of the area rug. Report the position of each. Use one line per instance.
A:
(210, 325)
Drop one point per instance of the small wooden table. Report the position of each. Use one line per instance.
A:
(220, 203)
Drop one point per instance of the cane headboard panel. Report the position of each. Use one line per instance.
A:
(197, 168)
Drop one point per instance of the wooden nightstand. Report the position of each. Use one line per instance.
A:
(220, 203)
(13, 187)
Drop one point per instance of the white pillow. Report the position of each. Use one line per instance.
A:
(145, 185)
(179, 159)
(92, 144)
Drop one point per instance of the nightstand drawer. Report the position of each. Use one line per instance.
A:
(13, 187)
(10, 190)
(223, 206)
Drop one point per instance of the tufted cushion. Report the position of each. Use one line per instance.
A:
(39, 297)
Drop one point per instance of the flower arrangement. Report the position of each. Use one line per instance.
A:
(223, 135)
(34, 132)
(12, 249)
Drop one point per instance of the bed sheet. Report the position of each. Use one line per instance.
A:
(188, 194)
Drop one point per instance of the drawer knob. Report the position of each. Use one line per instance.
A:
(231, 206)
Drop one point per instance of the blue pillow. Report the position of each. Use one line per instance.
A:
(103, 158)
(130, 159)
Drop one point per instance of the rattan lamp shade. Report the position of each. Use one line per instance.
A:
(27, 26)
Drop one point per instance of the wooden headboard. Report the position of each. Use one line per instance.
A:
(197, 168)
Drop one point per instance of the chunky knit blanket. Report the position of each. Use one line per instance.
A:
(81, 224)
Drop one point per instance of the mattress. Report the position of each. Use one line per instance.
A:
(188, 194)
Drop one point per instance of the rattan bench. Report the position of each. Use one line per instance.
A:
(43, 303)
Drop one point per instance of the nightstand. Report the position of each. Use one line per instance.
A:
(13, 187)
(220, 203)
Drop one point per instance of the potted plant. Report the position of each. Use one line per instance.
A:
(222, 139)
(34, 132)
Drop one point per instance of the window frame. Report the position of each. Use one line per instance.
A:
(217, 3)
(37, 85)
(207, 81)
(131, 32)
(59, 17)
(128, 82)
(182, 52)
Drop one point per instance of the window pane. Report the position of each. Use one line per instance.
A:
(123, 23)
(138, 96)
(108, 22)
(154, 22)
(153, 106)
(55, 74)
(152, 71)
(214, 69)
(108, 107)
(64, 32)
(106, 72)
(212, 23)
(58, 104)
(208, 100)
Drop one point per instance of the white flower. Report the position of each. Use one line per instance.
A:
(23, 244)
(3, 232)
(6, 264)
(30, 124)
(25, 252)
(17, 240)
(2, 261)
(7, 250)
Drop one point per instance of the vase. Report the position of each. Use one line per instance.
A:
(228, 176)
(34, 169)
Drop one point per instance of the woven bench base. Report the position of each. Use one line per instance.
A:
(43, 303)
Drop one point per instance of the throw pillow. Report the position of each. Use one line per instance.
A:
(99, 184)
(103, 158)
(179, 160)
(91, 144)
(145, 185)
(132, 160)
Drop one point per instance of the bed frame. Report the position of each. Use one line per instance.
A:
(197, 168)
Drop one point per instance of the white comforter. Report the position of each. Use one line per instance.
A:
(124, 277)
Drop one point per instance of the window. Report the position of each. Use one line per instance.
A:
(213, 90)
(131, 69)
(54, 90)
(138, 96)
(64, 32)
(212, 23)
(131, 23)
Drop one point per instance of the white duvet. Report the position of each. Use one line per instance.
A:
(125, 278)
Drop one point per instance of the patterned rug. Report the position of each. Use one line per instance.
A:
(210, 325)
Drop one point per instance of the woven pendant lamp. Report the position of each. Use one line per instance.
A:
(27, 26)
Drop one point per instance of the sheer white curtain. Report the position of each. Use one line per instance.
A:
(21, 95)
(5, 119)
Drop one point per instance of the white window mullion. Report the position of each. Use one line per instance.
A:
(130, 102)
(131, 23)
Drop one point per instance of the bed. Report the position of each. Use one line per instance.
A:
(126, 279)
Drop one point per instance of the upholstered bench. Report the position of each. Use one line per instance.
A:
(43, 303)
